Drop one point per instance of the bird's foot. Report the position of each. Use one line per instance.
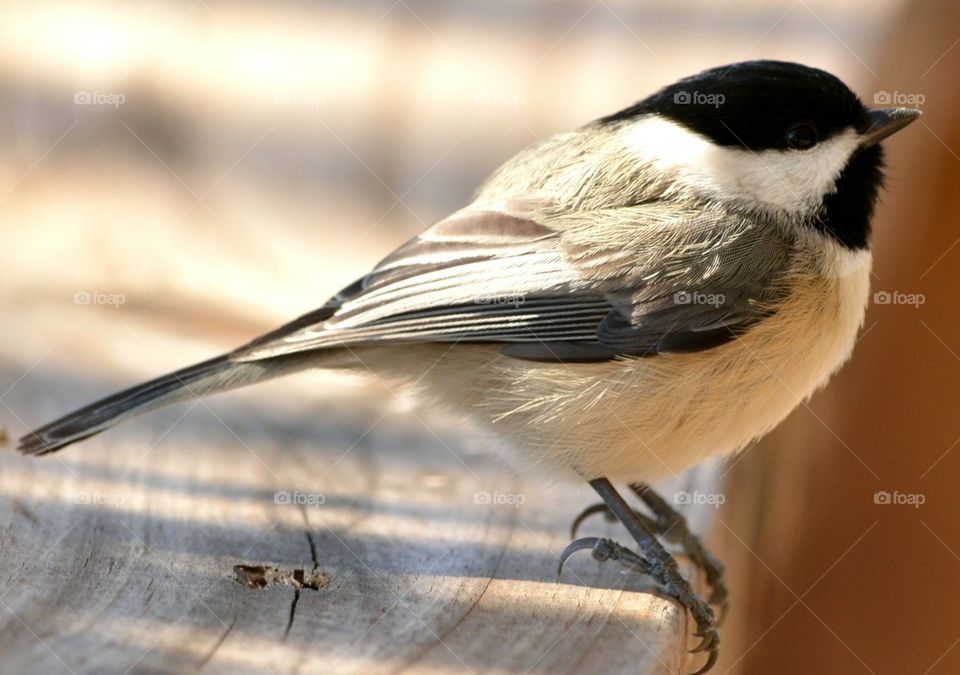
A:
(671, 525)
(673, 584)
(653, 560)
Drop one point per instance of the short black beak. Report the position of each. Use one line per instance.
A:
(884, 122)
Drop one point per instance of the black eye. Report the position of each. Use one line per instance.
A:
(801, 136)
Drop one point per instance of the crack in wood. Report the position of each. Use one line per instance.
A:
(314, 571)
(219, 643)
(313, 550)
(293, 612)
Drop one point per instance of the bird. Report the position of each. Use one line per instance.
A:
(618, 302)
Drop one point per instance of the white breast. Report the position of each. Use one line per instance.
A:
(660, 415)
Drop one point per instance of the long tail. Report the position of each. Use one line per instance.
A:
(217, 374)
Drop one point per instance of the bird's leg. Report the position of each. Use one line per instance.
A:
(672, 526)
(653, 560)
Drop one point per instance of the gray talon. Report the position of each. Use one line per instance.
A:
(586, 513)
(573, 547)
(711, 661)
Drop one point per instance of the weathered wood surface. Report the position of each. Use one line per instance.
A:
(119, 554)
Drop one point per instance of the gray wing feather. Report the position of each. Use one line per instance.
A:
(688, 282)
(580, 285)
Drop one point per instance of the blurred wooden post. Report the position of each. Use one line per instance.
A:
(876, 581)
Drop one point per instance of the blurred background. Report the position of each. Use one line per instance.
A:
(176, 177)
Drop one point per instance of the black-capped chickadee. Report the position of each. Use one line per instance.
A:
(621, 301)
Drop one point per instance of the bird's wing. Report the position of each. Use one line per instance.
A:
(557, 285)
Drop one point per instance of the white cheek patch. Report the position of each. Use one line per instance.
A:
(788, 180)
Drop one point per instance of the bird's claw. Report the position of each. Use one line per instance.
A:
(573, 547)
(709, 639)
(706, 630)
(602, 550)
(586, 513)
(711, 662)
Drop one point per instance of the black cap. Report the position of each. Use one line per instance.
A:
(759, 105)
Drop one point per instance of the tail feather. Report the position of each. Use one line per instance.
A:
(216, 374)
